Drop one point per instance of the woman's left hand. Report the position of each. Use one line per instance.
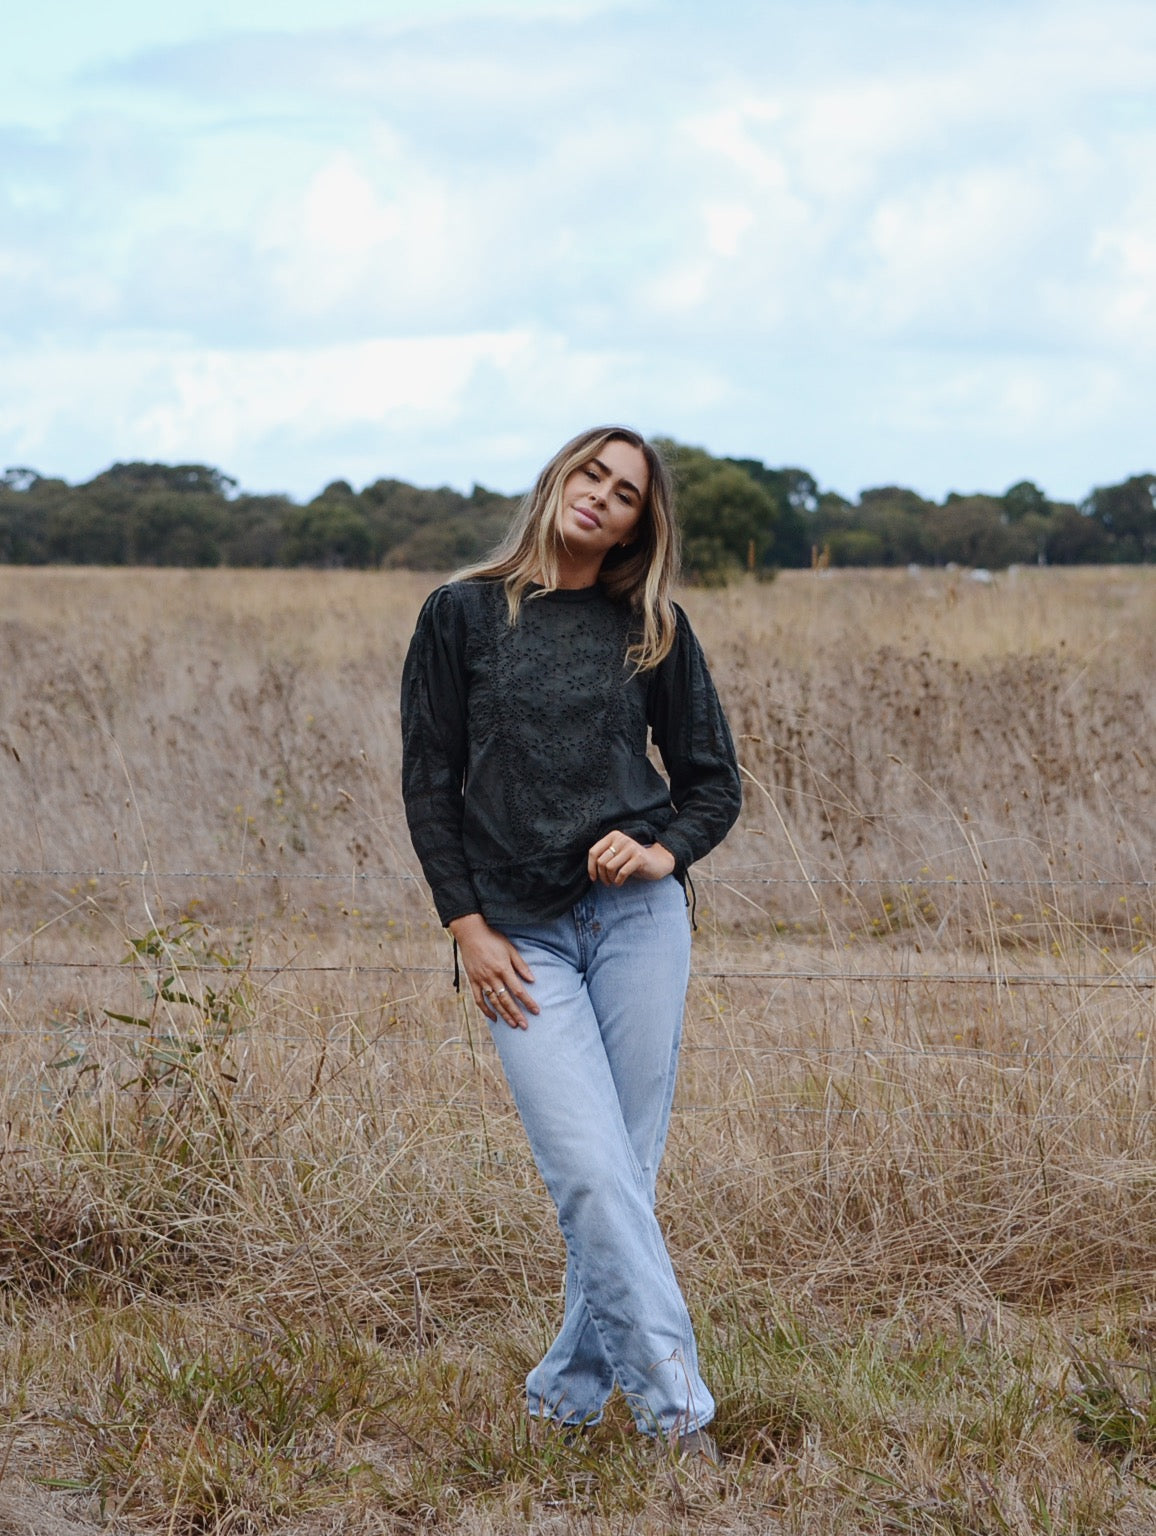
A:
(616, 858)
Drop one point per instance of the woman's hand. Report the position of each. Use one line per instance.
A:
(615, 858)
(496, 970)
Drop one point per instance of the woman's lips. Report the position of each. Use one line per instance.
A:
(587, 519)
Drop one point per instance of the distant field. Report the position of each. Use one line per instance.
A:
(276, 1257)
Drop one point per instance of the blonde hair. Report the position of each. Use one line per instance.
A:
(643, 573)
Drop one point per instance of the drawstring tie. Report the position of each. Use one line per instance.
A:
(691, 902)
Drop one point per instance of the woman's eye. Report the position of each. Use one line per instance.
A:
(590, 474)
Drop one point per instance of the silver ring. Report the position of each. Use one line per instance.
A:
(499, 992)
(612, 850)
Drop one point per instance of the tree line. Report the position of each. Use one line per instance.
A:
(736, 514)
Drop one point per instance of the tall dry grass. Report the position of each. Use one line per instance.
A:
(275, 1256)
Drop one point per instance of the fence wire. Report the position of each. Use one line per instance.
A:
(80, 1032)
(1116, 980)
(733, 877)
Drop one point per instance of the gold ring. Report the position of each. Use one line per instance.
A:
(499, 992)
(612, 850)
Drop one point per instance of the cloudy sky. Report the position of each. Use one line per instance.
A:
(888, 240)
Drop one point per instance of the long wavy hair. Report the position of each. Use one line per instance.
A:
(643, 573)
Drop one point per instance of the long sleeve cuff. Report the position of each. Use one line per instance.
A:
(672, 840)
(456, 900)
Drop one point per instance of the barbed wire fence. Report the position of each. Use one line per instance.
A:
(1117, 972)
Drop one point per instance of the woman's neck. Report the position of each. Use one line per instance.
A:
(575, 573)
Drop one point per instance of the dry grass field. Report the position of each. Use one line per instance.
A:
(273, 1253)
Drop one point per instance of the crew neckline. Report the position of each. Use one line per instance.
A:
(566, 594)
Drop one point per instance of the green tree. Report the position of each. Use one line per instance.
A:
(1127, 514)
(85, 529)
(834, 514)
(897, 517)
(145, 514)
(1025, 499)
(22, 539)
(856, 546)
(733, 512)
(796, 497)
(1075, 538)
(728, 521)
(970, 530)
(329, 534)
(256, 530)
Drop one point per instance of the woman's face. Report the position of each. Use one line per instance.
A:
(603, 500)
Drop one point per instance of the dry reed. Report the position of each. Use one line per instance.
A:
(274, 1254)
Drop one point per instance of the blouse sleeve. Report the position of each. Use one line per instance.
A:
(692, 735)
(433, 728)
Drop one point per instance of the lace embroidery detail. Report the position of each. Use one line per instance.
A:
(523, 744)
(549, 702)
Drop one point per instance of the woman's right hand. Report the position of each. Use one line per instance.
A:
(496, 970)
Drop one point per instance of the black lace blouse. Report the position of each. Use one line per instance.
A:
(524, 744)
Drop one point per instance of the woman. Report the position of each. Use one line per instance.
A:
(556, 854)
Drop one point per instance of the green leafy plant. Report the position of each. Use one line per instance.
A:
(187, 1017)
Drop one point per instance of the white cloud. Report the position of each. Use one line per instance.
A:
(768, 220)
(141, 399)
(342, 211)
(726, 133)
(945, 255)
(166, 398)
(340, 241)
(726, 224)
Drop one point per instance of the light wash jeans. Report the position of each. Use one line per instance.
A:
(593, 1079)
